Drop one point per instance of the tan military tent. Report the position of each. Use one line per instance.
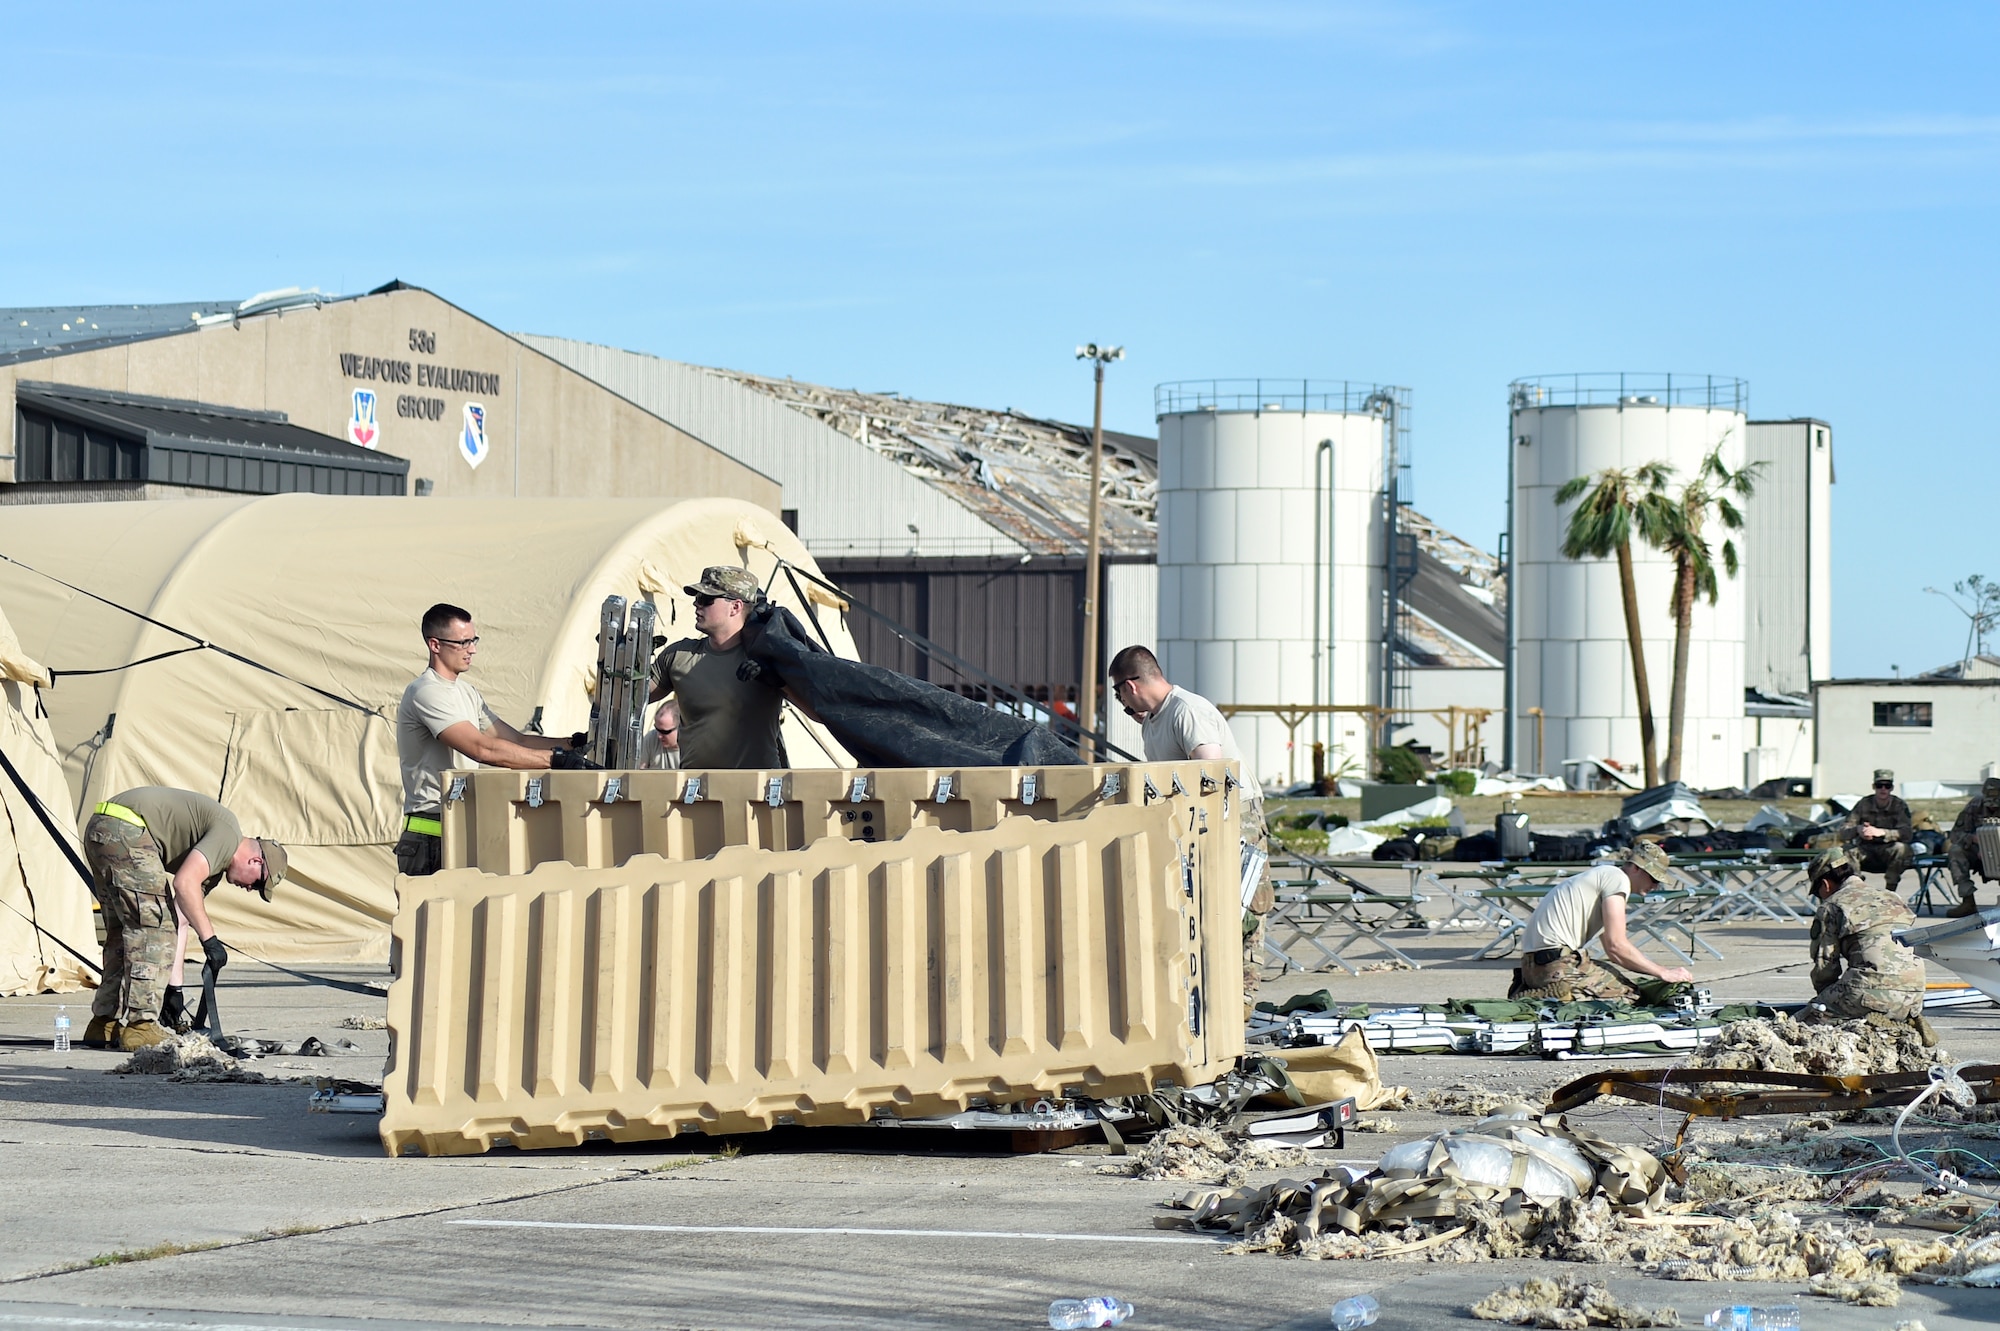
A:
(327, 591)
(39, 885)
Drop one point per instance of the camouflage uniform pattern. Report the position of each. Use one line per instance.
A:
(1572, 976)
(140, 927)
(1858, 967)
(1257, 835)
(1961, 847)
(1890, 858)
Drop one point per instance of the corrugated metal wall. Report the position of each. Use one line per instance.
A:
(1020, 622)
(850, 499)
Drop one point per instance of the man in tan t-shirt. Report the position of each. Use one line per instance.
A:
(1176, 725)
(156, 853)
(443, 725)
(1586, 906)
(725, 721)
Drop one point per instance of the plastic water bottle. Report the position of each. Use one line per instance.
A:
(62, 1028)
(1359, 1311)
(1680, 1268)
(1743, 1317)
(1098, 1310)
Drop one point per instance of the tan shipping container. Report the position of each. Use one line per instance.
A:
(729, 951)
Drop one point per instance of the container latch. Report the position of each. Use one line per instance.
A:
(613, 787)
(943, 789)
(1178, 788)
(1113, 783)
(1152, 791)
(691, 792)
(457, 791)
(1031, 787)
(534, 792)
(774, 791)
(857, 790)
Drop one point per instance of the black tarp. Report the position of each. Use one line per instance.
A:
(886, 719)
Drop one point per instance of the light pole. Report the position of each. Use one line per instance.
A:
(1099, 357)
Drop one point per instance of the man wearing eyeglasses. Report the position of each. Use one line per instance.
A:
(1175, 726)
(660, 747)
(1878, 830)
(444, 725)
(728, 717)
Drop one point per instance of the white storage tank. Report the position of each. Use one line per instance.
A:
(1246, 497)
(1571, 657)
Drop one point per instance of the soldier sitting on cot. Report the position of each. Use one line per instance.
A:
(1878, 830)
(1586, 906)
(1859, 968)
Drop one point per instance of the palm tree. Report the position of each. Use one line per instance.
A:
(1615, 502)
(1683, 534)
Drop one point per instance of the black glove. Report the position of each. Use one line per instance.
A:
(578, 739)
(213, 949)
(570, 760)
(173, 1011)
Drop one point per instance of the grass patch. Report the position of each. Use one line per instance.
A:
(157, 1251)
(173, 1249)
(687, 1162)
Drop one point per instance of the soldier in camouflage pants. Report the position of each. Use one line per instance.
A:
(140, 927)
(1859, 968)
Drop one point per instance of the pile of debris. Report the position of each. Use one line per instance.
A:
(1835, 1048)
(192, 1057)
(1566, 1303)
(1203, 1155)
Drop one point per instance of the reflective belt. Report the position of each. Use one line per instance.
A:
(120, 812)
(428, 826)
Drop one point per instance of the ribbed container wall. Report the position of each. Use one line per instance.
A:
(1236, 520)
(1572, 657)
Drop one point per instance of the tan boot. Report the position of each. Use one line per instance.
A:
(1925, 1031)
(1966, 906)
(101, 1030)
(143, 1035)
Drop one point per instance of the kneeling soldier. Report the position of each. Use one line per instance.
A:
(1584, 907)
(153, 850)
(1859, 968)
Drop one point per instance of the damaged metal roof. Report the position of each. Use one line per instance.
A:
(1028, 477)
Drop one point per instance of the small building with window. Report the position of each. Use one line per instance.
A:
(1940, 727)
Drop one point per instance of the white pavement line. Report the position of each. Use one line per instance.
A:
(842, 1229)
(167, 1322)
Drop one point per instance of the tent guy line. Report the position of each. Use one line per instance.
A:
(198, 641)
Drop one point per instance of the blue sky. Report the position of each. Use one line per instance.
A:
(944, 199)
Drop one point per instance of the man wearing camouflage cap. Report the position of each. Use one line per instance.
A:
(1859, 968)
(1961, 847)
(155, 854)
(727, 721)
(1877, 832)
(1586, 906)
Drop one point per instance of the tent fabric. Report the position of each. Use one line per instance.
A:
(38, 883)
(329, 590)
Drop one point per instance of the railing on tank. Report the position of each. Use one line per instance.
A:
(1266, 395)
(1631, 389)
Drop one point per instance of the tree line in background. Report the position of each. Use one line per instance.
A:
(1618, 506)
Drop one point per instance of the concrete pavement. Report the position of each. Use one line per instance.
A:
(794, 1231)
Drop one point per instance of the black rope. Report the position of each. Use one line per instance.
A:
(55, 675)
(350, 986)
(193, 638)
(62, 842)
